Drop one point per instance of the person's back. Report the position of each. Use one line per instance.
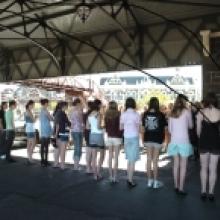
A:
(213, 114)
(76, 118)
(45, 124)
(29, 123)
(131, 121)
(93, 120)
(112, 126)
(179, 127)
(209, 128)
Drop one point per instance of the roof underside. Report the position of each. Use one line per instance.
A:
(62, 14)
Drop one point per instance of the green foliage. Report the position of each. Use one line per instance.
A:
(163, 98)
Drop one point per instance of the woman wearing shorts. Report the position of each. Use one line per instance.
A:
(180, 121)
(154, 126)
(30, 130)
(208, 130)
(114, 138)
(96, 138)
(86, 137)
(62, 134)
(130, 122)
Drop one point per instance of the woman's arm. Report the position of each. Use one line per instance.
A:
(170, 125)
(31, 115)
(121, 123)
(50, 117)
(198, 124)
(87, 124)
(57, 127)
(190, 120)
(1, 124)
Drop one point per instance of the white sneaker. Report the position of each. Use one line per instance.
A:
(150, 183)
(157, 184)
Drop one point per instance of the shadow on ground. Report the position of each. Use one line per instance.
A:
(32, 192)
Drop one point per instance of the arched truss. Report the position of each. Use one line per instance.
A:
(147, 46)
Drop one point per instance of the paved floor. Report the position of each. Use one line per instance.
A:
(47, 193)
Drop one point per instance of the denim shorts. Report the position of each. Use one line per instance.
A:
(184, 150)
(63, 138)
(132, 149)
(31, 135)
(96, 140)
(152, 144)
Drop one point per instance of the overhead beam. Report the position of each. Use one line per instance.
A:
(56, 4)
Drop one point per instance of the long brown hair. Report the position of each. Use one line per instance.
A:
(112, 111)
(179, 106)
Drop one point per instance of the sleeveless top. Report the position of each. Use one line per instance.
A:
(29, 124)
(93, 121)
(210, 137)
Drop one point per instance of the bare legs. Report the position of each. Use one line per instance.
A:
(208, 172)
(63, 146)
(204, 161)
(56, 156)
(94, 162)
(113, 153)
(31, 142)
(89, 160)
(130, 170)
(213, 172)
(96, 166)
(149, 162)
(152, 167)
(60, 153)
(179, 172)
(100, 162)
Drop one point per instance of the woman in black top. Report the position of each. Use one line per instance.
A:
(86, 137)
(208, 130)
(154, 124)
(62, 134)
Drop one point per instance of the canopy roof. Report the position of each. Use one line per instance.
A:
(105, 16)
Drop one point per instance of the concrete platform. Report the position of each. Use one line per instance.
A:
(32, 192)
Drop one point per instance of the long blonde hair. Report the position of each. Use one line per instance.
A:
(112, 111)
(179, 106)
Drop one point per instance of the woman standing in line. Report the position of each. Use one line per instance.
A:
(77, 127)
(130, 122)
(180, 121)
(45, 131)
(114, 138)
(96, 138)
(62, 134)
(3, 109)
(208, 130)
(154, 126)
(86, 136)
(30, 130)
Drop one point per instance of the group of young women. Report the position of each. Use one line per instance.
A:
(125, 129)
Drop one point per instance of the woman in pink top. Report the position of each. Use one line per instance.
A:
(77, 127)
(130, 122)
(180, 121)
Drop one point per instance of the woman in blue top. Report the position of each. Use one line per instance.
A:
(30, 130)
(45, 131)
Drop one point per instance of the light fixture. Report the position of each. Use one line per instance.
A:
(83, 11)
